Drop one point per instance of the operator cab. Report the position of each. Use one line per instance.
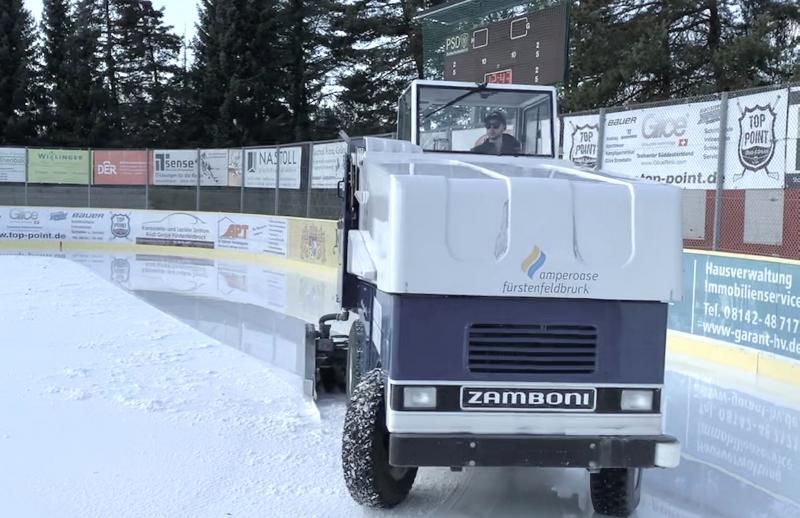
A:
(479, 118)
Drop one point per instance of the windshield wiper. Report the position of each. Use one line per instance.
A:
(479, 88)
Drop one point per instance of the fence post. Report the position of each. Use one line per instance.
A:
(601, 137)
(89, 183)
(721, 149)
(277, 178)
(25, 192)
(198, 168)
(149, 162)
(309, 176)
(242, 173)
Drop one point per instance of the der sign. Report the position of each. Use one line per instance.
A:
(530, 48)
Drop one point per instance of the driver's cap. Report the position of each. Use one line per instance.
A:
(496, 115)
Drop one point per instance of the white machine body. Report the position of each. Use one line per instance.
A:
(484, 225)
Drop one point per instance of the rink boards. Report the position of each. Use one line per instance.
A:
(739, 311)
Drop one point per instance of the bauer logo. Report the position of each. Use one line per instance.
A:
(533, 262)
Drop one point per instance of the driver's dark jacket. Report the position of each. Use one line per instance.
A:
(510, 146)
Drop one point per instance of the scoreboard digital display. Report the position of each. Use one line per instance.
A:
(524, 49)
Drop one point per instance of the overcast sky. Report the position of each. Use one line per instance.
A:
(178, 13)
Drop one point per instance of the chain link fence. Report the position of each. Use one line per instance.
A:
(734, 154)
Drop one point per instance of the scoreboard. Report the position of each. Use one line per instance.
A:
(525, 49)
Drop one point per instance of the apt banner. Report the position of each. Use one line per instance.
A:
(12, 164)
(59, 166)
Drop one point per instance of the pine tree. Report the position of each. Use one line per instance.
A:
(88, 103)
(57, 28)
(627, 51)
(238, 74)
(17, 62)
(381, 54)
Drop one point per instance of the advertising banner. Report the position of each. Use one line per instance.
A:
(741, 301)
(235, 157)
(677, 144)
(89, 225)
(12, 164)
(33, 224)
(176, 229)
(184, 275)
(262, 164)
(214, 167)
(61, 166)
(174, 167)
(327, 165)
(582, 140)
(124, 167)
(313, 241)
(755, 157)
(793, 140)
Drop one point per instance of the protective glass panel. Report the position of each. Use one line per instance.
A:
(487, 121)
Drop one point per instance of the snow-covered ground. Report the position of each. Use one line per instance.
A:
(110, 407)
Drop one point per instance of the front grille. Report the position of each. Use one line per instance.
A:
(532, 349)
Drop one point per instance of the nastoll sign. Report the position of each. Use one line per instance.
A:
(757, 139)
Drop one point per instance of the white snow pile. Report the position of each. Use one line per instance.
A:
(110, 408)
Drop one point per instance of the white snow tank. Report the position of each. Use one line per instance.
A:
(484, 225)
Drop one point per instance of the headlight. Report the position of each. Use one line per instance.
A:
(641, 400)
(419, 397)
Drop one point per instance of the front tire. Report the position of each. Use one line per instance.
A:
(370, 479)
(616, 491)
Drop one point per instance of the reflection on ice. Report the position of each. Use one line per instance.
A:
(741, 440)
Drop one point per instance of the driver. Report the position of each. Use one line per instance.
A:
(497, 142)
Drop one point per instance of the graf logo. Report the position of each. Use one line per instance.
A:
(533, 262)
(584, 145)
(235, 232)
(757, 139)
(654, 126)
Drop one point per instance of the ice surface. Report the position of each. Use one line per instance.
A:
(110, 407)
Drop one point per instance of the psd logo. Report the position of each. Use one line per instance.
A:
(120, 226)
(584, 145)
(757, 139)
(533, 262)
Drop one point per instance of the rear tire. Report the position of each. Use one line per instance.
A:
(355, 350)
(616, 491)
(370, 479)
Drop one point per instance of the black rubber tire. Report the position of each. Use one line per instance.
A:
(616, 491)
(355, 349)
(370, 479)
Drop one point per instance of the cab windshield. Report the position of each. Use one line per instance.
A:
(485, 121)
